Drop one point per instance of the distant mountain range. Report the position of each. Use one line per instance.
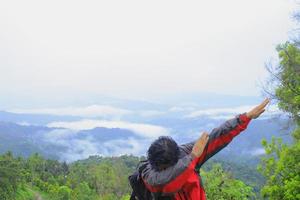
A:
(60, 143)
(65, 143)
(111, 126)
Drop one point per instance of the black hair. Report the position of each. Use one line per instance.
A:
(163, 151)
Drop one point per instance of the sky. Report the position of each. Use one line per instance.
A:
(137, 49)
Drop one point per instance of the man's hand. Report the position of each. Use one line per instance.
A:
(200, 145)
(258, 110)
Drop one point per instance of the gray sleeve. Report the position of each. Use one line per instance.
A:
(224, 135)
(156, 178)
(187, 148)
(216, 132)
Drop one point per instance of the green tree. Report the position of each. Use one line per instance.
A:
(10, 176)
(125, 197)
(282, 170)
(83, 192)
(64, 193)
(287, 91)
(281, 165)
(220, 185)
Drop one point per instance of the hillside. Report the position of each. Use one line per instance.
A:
(95, 178)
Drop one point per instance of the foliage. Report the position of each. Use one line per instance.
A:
(288, 73)
(281, 165)
(24, 193)
(221, 185)
(95, 178)
(242, 171)
(10, 176)
(91, 179)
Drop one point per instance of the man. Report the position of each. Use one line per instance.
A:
(172, 171)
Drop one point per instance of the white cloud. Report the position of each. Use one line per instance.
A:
(145, 130)
(226, 113)
(89, 111)
(24, 123)
(258, 152)
(75, 149)
(59, 134)
(219, 112)
(181, 109)
(130, 146)
(81, 148)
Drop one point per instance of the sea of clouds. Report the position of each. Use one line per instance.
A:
(66, 133)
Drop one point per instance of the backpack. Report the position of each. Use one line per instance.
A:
(139, 190)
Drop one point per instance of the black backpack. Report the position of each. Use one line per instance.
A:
(139, 190)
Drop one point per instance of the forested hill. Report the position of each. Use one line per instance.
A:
(105, 178)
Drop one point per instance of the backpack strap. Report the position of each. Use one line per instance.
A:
(139, 190)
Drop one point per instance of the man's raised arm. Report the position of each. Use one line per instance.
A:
(220, 137)
(195, 155)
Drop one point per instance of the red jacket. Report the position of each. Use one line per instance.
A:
(182, 181)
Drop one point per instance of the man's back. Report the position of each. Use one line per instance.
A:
(162, 183)
(181, 180)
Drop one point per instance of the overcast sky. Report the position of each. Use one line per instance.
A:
(138, 48)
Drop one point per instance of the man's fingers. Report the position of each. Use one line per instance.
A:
(255, 112)
(264, 103)
(200, 144)
(259, 109)
(204, 135)
(260, 112)
(203, 138)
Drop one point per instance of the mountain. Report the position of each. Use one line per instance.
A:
(59, 143)
(23, 140)
(112, 126)
(69, 144)
(35, 119)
